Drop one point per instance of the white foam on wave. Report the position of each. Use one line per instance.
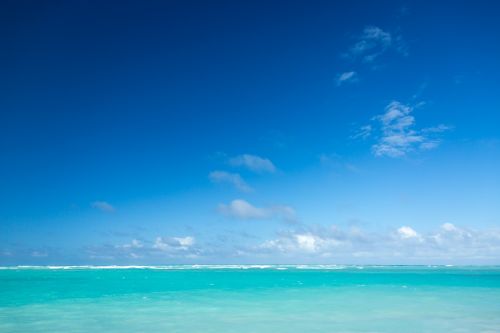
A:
(220, 267)
(327, 267)
(178, 267)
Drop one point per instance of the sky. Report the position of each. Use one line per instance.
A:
(223, 132)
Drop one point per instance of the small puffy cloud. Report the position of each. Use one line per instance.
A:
(450, 232)
(185, 241)
(241, 209)
(346, 77)
(300, 242)
(449, 227)
(253, 163)
(307, 242)
(146, 250)
(397, 132)
(231, 178)
(103, 206)
(407, 232)
(318, 241)
(170, 244)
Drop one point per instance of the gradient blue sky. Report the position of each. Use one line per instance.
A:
(249, 132)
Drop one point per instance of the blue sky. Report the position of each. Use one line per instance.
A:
(249, 132)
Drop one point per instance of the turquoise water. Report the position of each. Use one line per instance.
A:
(250, 299)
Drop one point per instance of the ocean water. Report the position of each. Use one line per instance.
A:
(244, 299)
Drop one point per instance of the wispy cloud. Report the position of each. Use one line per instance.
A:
(134, 244)
(397, 133)
(346, 77)
(39, 254)
(437, 129)
(363, 132)
(241, 209)
(337, 162)
(231, 178)
(253, 163)
(103, 206)
(374, 42)
(5, 253)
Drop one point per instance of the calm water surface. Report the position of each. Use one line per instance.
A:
(250, 299)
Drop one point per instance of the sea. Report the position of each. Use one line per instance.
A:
(249, 298)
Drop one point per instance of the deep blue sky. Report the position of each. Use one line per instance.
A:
(274, 131)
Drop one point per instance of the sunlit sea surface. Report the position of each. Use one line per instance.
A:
(250, 298)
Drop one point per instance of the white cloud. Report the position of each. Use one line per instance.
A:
(134, 244)
(373, 42)
(307, 242)
(302, 243)
(172, 244)
(407, 232)
(231, 178)
(254, 163)
(369, 46)
(337, 163)
(284, 212)
(437, 129)
(429, 145)
(450, 232)
(185, 241)
(448, 243)
(363, 133)
(398, 134)
(242, 209)
(178, 248)
(449, 227)
(346, 77)
(103, 206)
